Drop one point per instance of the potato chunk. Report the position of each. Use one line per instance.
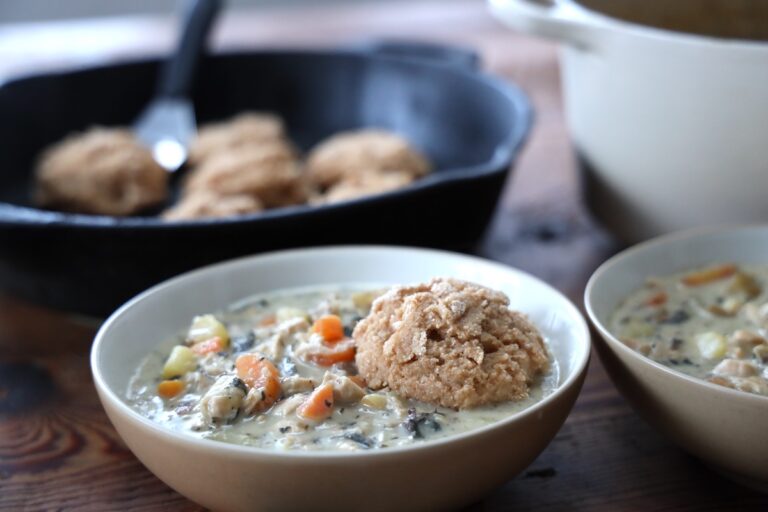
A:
(181, 360)
(205, 327)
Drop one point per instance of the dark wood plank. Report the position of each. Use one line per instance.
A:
(57, 448)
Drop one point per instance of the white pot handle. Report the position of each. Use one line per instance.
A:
(560, 20)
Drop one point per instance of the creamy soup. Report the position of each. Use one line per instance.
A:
(710, 323)
(278, 371)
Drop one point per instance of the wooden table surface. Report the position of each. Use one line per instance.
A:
(58, 451)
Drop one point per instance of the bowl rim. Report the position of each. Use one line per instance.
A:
(598, 276)
(506, 150)
(106, 394)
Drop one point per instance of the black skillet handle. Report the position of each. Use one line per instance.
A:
(179, 70)
(459, 57)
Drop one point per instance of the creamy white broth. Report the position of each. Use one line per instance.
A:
(710, 323)
(356, 425)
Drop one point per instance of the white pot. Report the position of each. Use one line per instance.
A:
(672, 127)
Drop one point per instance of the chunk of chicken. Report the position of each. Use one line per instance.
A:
(755, 385)
(741, 343)
(292, 326)
(761, 353)
(222, 402)
(757, 314)
(255, 400)
(735, 368)
(288, 406)
(295, 384)
(273, 347)
(345, 391)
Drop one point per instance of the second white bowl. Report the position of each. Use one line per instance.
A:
(724, 427)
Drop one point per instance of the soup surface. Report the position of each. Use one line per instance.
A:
(710, 323)
(277, 371)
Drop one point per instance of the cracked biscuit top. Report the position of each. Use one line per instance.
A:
(451, 343)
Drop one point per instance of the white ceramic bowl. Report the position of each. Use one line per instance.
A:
(435, 475)
(724, 427)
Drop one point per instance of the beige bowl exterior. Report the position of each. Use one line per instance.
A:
(723, 427)
(436, 475)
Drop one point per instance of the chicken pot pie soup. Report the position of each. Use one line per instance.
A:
(710, 323)
(336, 368)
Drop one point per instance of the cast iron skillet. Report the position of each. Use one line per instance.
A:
(470, 125)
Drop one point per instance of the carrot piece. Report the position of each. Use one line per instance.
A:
(319, 405)
(330, 328)
(709, 275)
(657, 299)
(258, 372)
(268, 320)
(170, 388)
(330, 357)
(254, 369)
(215, 344)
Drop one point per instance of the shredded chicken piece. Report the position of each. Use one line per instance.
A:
(222, 402)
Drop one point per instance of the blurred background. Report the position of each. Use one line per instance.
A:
(39, 10)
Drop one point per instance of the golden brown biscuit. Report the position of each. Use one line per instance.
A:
(268, 173)
(207, 205)
(449, 342)
(102, 171)
(366, 183)
(346, 154)
(249, 129)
